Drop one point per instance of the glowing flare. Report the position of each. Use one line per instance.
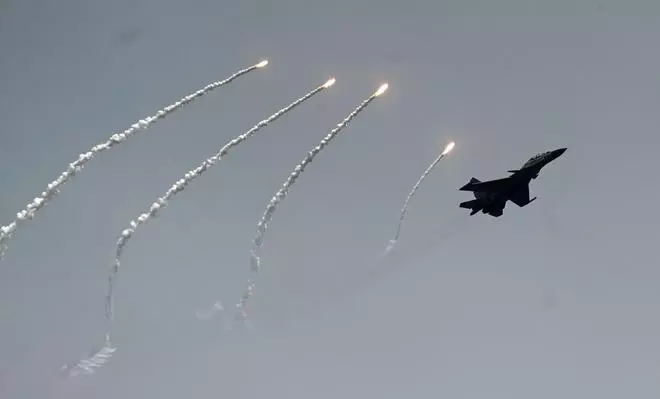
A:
(329, 83)
(448, 148)
(262, 64)
(381, 89)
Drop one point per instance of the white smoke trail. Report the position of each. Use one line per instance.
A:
(6, 232)
(404, 210)
(97, 359)
(179, 186)
(262, 225)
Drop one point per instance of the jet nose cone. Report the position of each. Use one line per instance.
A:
(557, 153)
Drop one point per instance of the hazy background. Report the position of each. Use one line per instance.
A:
(555, 300)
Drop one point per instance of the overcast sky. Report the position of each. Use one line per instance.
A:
(555, 300)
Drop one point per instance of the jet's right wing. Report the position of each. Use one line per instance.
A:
(521, 196)
(492, 186)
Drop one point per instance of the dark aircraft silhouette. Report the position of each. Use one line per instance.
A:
(491, 196)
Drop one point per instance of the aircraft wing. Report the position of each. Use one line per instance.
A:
(521, 196)
(492, 186)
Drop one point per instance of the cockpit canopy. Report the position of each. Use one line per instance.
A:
(537, 158)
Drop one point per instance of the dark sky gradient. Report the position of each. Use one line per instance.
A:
(555, 300)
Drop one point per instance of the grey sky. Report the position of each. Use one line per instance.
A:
(558, 299)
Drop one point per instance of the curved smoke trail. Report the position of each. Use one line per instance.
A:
(404, 210)
(179, 186)
(97, 359)
(7, 231)
(262, 225)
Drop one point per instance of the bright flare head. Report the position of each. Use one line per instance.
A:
(329, 83)
(448, 148)
(381, 89)
(262, 64)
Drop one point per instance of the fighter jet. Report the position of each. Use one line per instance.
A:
(491, 196)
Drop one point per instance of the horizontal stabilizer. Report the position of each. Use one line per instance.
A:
(513, 170)
(474, 180)
(474, 205)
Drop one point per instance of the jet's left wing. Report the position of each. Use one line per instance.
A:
(492, 186)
